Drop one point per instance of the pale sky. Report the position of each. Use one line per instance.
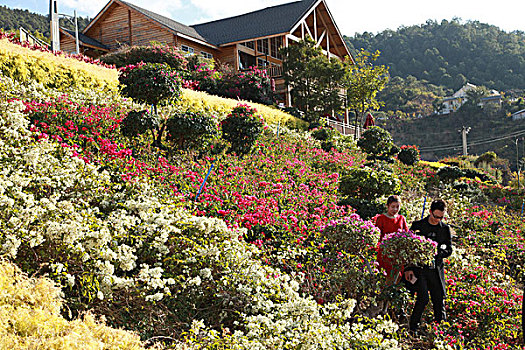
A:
(351, 16)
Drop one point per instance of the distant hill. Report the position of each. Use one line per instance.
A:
(12, 19)
(450, 53)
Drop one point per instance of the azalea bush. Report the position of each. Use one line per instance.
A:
(241, 128)
(133, 55)
(369, 183)
(407, 248)
(151, 83)
(253, 84)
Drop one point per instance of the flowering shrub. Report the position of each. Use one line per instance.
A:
(11, 37)
(404, 248)
(30, 318)
(241, 128)
(408, 155)
(151, 83)
(252, 85)
(54, 71)
(147, 54)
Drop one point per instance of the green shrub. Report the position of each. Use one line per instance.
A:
(377, 142)
(365, 208)
(241, 128)
(191, 129)
(449, 173)
(150, 83)
(408, 155)
(323, 134)
(369, 183)
(138, 122)
(148, 54)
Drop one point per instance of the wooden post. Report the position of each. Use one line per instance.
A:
(129, 28)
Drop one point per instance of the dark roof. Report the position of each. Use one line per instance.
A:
(86, 39)
(269, 21)
(171, 24)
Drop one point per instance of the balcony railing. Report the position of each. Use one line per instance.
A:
(343, 128)
(273, 71)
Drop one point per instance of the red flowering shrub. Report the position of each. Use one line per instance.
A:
(241, 128)
(150, 83)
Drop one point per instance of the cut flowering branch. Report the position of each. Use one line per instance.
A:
(405, 247)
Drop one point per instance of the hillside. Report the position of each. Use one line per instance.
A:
(199, 244)
(451, 53)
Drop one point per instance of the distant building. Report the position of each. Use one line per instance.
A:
(452, 103)
(518, 115)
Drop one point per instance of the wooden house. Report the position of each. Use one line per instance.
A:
(251, 39)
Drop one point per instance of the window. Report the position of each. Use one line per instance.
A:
(275, 44)
(262, 46)
(262, 63)
(206, 55)
(187, 49)
(249, 44)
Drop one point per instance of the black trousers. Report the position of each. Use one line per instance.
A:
(427, 282)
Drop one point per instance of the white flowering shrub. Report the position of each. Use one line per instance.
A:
(129, 252)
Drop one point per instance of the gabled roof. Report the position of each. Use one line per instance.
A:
(171, 24)
(86, 40)
(266, 22)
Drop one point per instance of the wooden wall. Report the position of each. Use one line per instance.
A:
(228, 56)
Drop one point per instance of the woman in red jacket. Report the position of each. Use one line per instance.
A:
(390, 222)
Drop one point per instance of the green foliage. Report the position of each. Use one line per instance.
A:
(377, 142)
(148, 54)
(451, 53)
(138, 122)
(191, 129)
(487, 157)
(411, 96)
(323, 134)
(450, 173)
(408, 155)
(369, 183)
(241, 129)
(363, 81)
(314, 80)
(150, 83)
(252, 85)
(365, 208)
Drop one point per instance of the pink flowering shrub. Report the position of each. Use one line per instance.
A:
(405, 247)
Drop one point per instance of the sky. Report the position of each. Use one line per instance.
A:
(351, 16)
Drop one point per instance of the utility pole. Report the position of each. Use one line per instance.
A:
(53, 19)
(464, 133)
(518, 164)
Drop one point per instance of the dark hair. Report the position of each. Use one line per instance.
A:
(438, 204)
(392, 199)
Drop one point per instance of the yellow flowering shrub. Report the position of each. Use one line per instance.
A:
(30, 318)
(220, 106)
(52, 71)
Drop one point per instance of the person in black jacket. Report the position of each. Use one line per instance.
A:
(430, 279)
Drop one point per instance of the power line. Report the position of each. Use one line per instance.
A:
(474, 143)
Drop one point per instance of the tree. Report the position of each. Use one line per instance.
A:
(315, 81)
(364, 81)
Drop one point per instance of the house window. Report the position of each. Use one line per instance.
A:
(187, 49)
(262, 46)
(262, 63)
(249, 44)
(206, 55)
(275, 44)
